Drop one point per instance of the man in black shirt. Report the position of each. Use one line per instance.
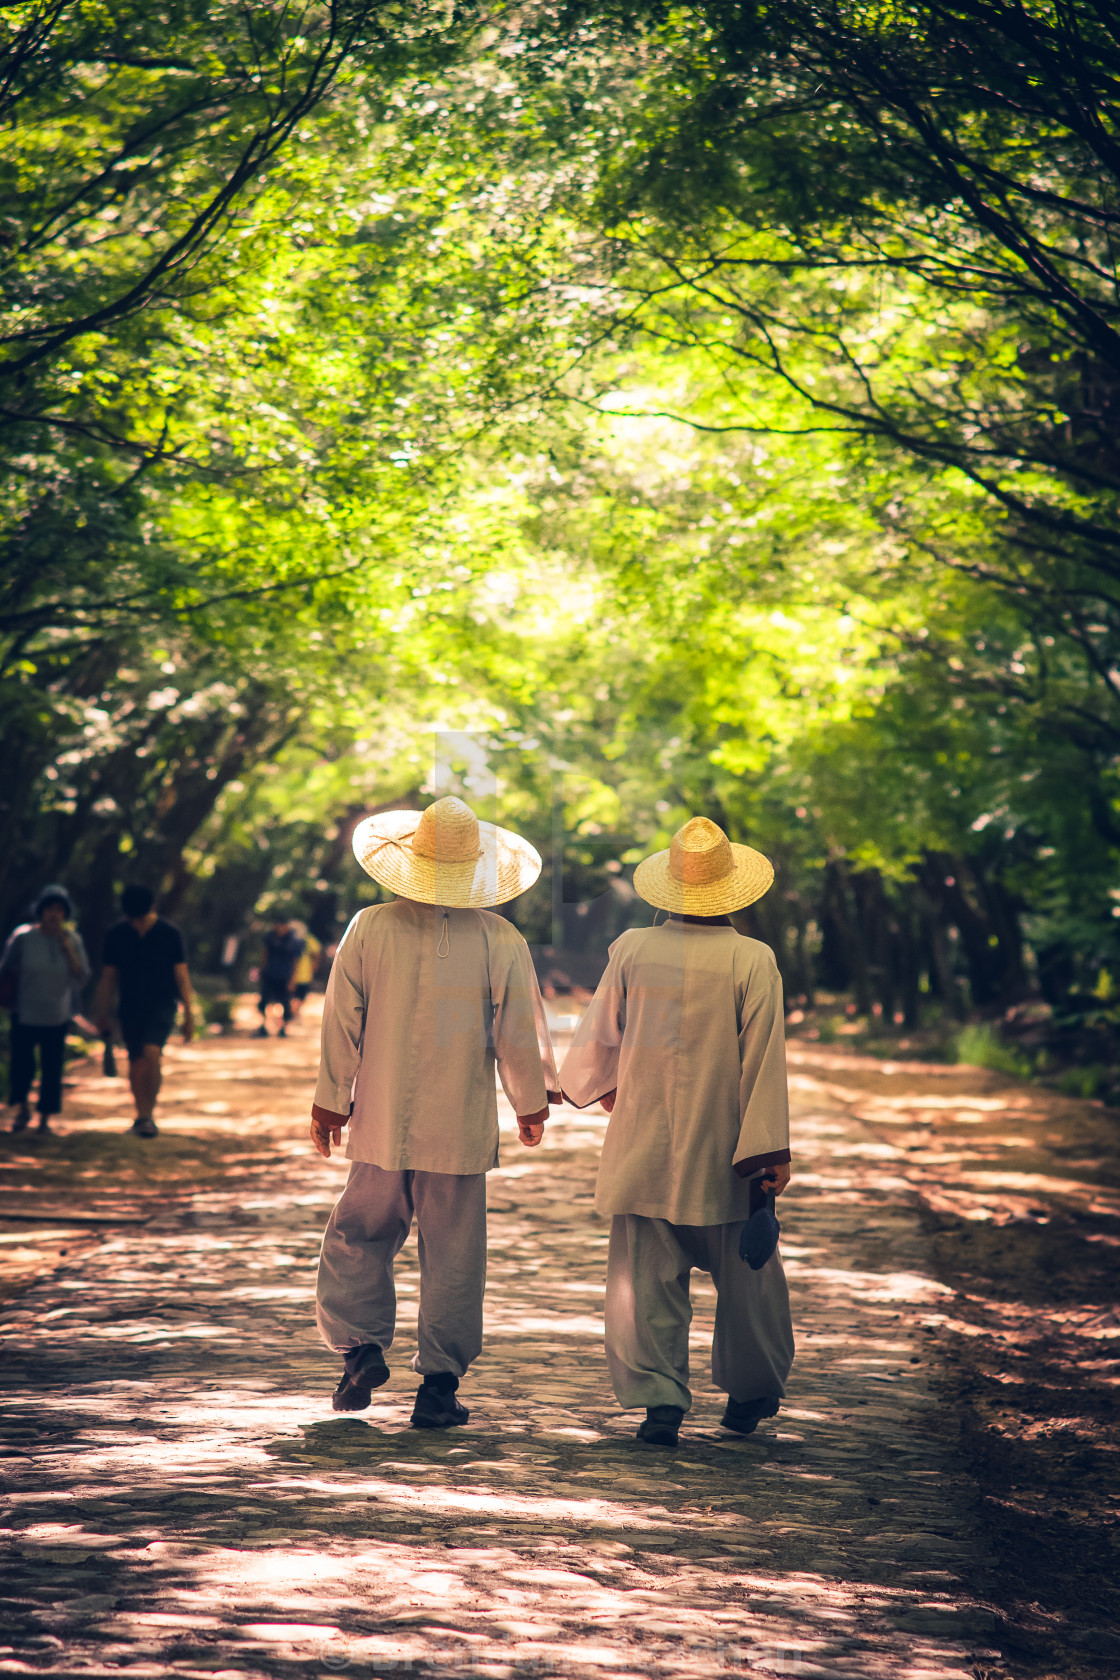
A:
(145, 959)
(283, 948)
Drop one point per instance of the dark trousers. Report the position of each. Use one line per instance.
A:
(51, 1042)
(275, 991)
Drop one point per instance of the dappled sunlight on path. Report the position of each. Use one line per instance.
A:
(182, 1500)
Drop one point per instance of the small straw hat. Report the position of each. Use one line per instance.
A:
(445, 856)
(703, 873)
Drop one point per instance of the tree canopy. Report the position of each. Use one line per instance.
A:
(611, 412)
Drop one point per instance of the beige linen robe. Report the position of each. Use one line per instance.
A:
(688, 1024)
(414, 1035)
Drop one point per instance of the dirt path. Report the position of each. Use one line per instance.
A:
(181, 1500)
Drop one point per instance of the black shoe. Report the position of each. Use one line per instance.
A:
(145, 1127)
(436, 1406)
(261, 1032)
(22, 1120)
(364, 1369)
(45, 1123)
(744, 1416)
(662, 1425)
(283, 1033)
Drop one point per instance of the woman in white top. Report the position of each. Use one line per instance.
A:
(49, 961)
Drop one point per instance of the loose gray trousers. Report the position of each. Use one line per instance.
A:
(648, 1313)
(355, 1297)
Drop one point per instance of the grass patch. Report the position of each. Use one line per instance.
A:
(980, 1045)
(1097, 1080)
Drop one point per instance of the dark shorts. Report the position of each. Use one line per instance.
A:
(150, 1026)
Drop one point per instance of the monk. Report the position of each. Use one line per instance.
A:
(427, 996)
(683, 1044)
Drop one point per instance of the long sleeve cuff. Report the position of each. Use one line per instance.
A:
(755, 1163)
(336, 1098)
(588, 1102)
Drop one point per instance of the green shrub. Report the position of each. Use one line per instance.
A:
(827, 1032)
(218, 1011)
(981, 1046)
(1085, 1082)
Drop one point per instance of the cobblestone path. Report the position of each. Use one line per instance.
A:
(181, 1499)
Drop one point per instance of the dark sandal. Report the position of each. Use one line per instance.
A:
(662, 1426)
(744, 1416)
(436, 1406)
(363, 1371)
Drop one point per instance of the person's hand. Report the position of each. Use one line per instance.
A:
(70, 954)
(607, 1100)
(101, 1022)
(326, 1128)
(776, 1178)
(188, 1024)
(530, 1127)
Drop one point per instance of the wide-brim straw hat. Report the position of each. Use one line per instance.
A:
(703, 873)
(444, 855)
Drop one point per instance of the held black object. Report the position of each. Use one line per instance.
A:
(108, 1060)
(759, 1236)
